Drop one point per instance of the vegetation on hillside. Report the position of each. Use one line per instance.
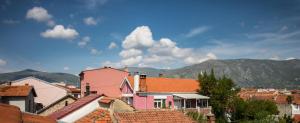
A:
(228, 107)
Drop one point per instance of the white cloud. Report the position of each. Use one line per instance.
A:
(90, 21)
(10, 21)
(66, 68)
(91, 4)
(197, 31)
(132, 60)
(290, 58)
(84, 41)
(94, 51)
(2, 62)
(112, 45)
(112, 64)
(40, 14)
(60, 32)
(197, 59)
(138, 38)
(89, 68)
(130, 53)
(284, 28)
(167, 47)
(275, 57)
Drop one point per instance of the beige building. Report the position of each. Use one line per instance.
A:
(59, 104)
(20, 96)
(46, 92)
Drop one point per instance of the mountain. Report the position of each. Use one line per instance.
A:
(244, 72)
(49, 77)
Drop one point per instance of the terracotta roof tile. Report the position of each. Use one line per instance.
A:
(159, 84)
(281, 99)
(14, 115)
(150, 116)
(296, 98)
(107, 100)
(73, 106)
(30, 118)
(296, 118)
(98, 116)
(16, 90)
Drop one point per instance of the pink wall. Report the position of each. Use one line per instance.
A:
(126, 89)
(143, 102)
(105, 81)
(170, 99)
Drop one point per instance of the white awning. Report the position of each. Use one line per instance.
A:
(191, 96)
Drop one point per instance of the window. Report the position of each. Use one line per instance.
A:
(159, 103)
(66, 103)
(93, 92)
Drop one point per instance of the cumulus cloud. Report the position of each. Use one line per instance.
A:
(2, 62)
(130, 53)
(139, 48)
(91, 4)
(199, 59)
(90, 21)
(60, 32)
(111, 64)
(95, 51)
(132, 60)
(66, 68)
(112, 45)
(197, 31)
(89, 68)
(84, 41)
(139, 38)
(40, 14)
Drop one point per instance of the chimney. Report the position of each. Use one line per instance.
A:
(160, 75)
(9, 83)
(143, 87)
(136, 79)
(87, 89)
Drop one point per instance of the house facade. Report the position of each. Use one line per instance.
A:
(46, 92)
(59, 104)
(105, 81)
(158, 92)
(20, 96)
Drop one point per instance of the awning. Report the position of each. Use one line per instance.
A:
(191, 96)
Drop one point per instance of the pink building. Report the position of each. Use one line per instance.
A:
(144, 92)
(105, 81)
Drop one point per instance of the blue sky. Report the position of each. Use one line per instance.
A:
(65, 36)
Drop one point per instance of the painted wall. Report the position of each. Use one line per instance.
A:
(46, 92)
(105, 81)
(17, 101)
(81, 112)
(295, 109)
(126, 89)
(143, 102)
(57, 106)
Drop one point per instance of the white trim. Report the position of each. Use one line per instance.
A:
(191, 96)
(125, 79)
(127, 95)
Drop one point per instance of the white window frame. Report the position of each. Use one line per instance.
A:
(158, 101)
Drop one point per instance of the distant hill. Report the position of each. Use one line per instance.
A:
(244, 72)
(49, 77)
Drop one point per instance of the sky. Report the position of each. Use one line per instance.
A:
(72, 36)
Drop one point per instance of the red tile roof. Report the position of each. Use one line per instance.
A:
(71, 90)
(281, 99)
(155, 116)
(159, 84)
(106, 100)
(30, 118)
(296, 99)
(73, 106)
(12, 114)
(16, 90)
(98, 116)
(296, 118)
